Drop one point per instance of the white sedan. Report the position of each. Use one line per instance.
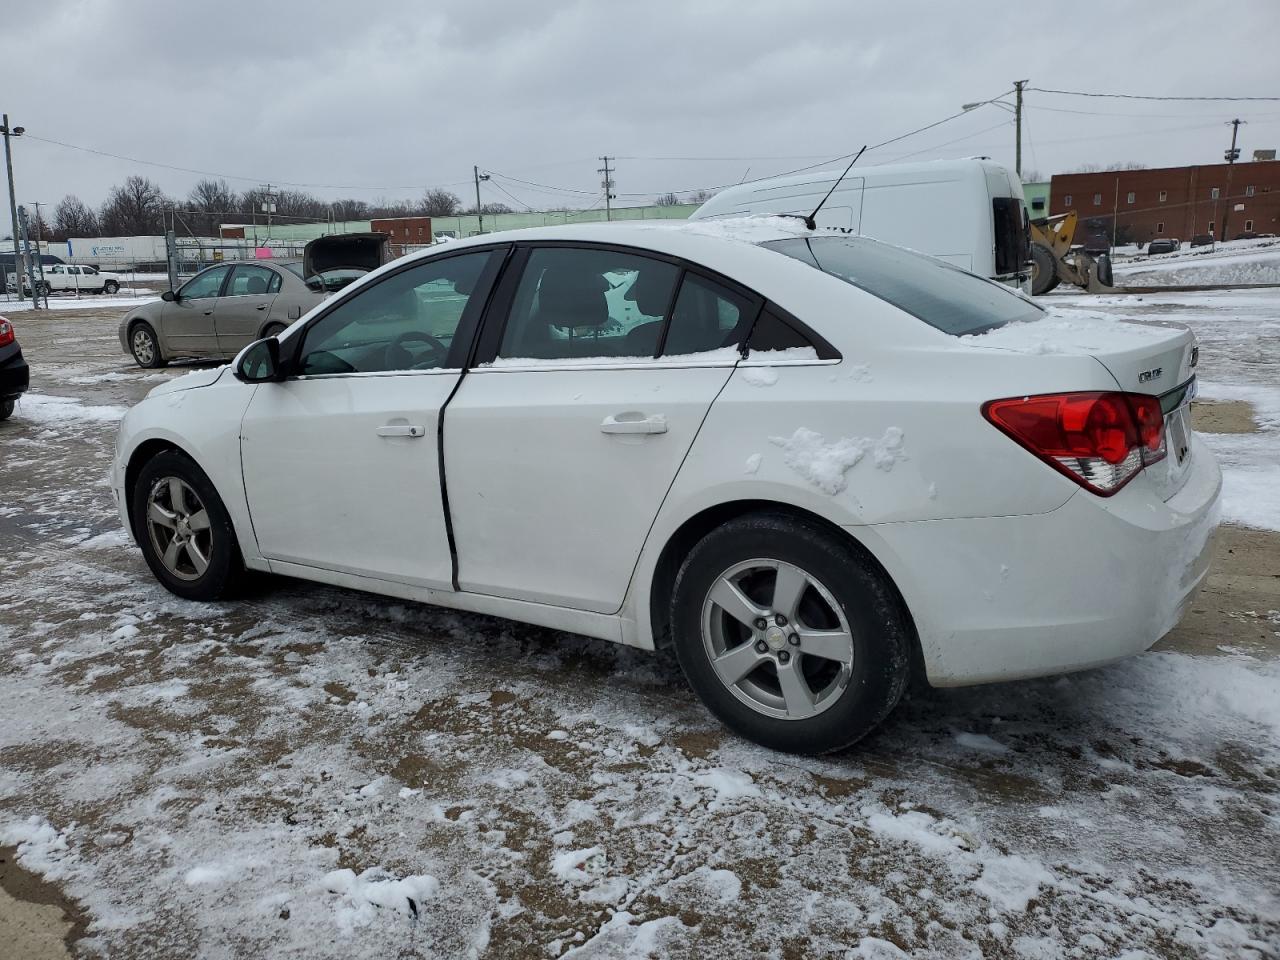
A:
(814, 464)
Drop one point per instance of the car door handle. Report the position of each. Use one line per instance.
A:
(261, 306)
(634, 423)
(402, 430)
(208, 313)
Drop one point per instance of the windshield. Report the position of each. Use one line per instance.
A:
(945, 297)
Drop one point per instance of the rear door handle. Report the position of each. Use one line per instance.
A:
(261, 306)
(634, 423)
(402, 430)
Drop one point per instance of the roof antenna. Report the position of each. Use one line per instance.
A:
(809, 221)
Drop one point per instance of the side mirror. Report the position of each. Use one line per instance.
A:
(260, 362)
(168, 296)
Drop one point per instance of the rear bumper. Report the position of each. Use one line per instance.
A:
(1093, 581)
(15, 375)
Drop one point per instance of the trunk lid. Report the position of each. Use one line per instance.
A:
(345, 251)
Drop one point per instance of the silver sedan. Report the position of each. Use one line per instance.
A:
(219, 311)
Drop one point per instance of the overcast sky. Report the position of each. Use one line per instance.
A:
(384, 99)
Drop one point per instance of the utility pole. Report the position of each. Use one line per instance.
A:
(607, 183)
(30, 267)
(1231, 156)
(268, 207)
(1017, 115)
(13, 203)
(479, 209)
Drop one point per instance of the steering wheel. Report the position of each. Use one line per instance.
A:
(398, 357)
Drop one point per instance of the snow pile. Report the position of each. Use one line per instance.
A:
(759, 376)
(1073, 331)
(363, 896)
(40, 847)
(579, 866)
(746, 229)
(720, 355)
(43, 408)
(825, 465)
(1228, 264)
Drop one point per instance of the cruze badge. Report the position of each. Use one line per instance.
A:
(1148, 375)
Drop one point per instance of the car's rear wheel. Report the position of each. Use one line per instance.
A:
(184, 529)
(789, 633)
(111, 287)
(273, 330)
(6, 408)
(144, 346)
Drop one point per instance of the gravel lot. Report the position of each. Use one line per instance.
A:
(192, 780)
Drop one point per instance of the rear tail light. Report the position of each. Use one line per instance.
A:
(6, 332)
(1099, 440)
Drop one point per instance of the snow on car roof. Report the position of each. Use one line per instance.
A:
(747, 229)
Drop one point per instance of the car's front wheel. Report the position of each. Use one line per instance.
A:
(789, 633)
(144, 346)
(111, 287)
(6, 408)
(184, 529)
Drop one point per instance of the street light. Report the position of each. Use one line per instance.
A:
(13, 203)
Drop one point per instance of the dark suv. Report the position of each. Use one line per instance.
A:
(14, 375)
(1202, 240)
(1163, 246)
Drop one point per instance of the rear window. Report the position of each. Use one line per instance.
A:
(945, 297)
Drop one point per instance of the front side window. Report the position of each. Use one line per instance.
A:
(248, 280)
(55, 269)
(405, 322)
(575, 303)
(945, 297)
(205, 284)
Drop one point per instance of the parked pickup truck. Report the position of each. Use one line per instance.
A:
(71, 277)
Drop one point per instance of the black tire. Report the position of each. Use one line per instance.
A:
(6, 408)
(1103, 270)
(273, 330)
(142, 355)
(111, 287)
(877, 623)
(224, 574)
(42, 288)
(1045, 276)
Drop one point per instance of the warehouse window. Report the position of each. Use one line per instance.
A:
(1211, 228)
(1132, 196)
(1160, 227)
(1213, 193)
(1248, 191)
(1248, 226)
(1097, 199)
(1164, 195)
(1066, 201)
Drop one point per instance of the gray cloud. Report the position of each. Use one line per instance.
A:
(384, 98)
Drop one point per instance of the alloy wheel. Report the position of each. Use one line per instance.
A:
(777, 639)
(178, 526)
(144, 348)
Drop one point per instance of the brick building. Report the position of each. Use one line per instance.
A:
(404, 230)
(1172, 202)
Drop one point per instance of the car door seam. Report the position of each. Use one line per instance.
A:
(674, 476)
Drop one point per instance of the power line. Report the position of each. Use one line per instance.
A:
(1138, 96)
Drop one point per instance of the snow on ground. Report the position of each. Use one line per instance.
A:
(88, 302)
(311, 772)
(1239, 261)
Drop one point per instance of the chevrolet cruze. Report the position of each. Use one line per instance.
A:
(813, 464)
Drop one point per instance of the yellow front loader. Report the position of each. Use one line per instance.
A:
(1055, 261)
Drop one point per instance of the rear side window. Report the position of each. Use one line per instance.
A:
(580, 303)
(707, 316)
(945, 297)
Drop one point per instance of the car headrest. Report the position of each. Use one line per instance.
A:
(256, 285)
(572, 298)
(651, 292)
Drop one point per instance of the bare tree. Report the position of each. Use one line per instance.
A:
(351, 210)
(440, 203)
(72, 217)
(1126, 165)
(213, 203)
(700, 196)
(135, 208)
(666, 200)
(489, 208)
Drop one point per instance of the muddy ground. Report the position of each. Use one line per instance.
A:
(206, 768)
